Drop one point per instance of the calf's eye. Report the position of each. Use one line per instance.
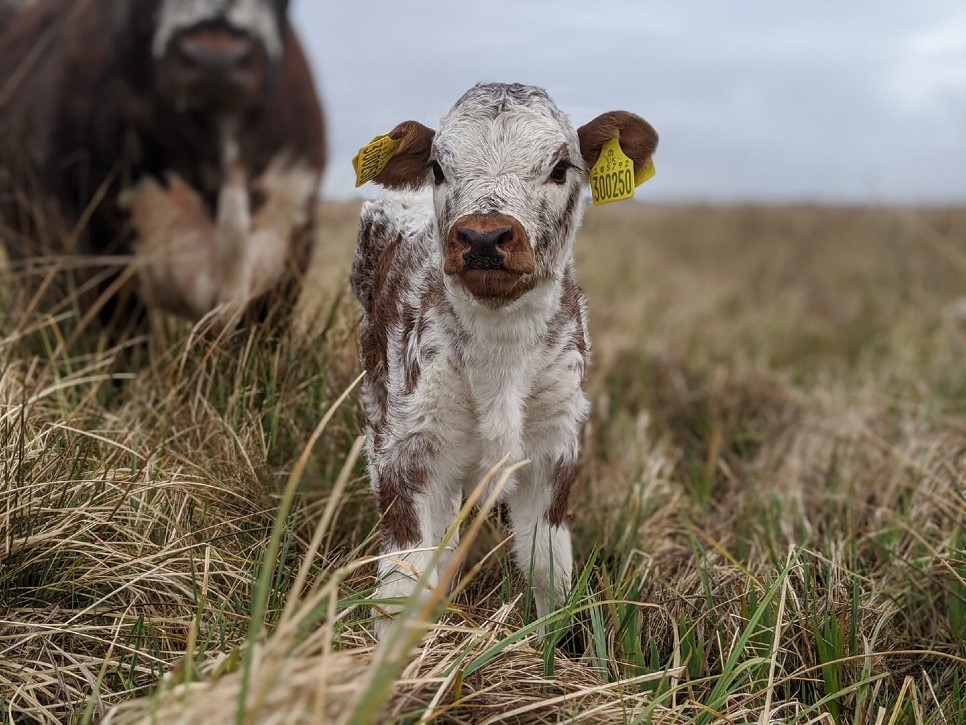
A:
(559, 173)
(438, 176)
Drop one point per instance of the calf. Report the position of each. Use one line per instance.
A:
(474, 332)
(184, 135)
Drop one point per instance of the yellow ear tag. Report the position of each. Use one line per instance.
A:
(373, 157)
(644, 173)
(613, 177)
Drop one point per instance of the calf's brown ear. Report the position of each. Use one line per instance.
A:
(408, 167)
(637, 137)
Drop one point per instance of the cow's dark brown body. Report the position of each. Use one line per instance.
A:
(83, 120)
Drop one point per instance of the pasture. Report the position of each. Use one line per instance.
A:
(769, 520)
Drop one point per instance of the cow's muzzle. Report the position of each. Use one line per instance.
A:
(491, 254)
(214, 68)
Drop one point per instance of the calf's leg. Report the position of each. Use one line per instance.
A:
(541, 538)
(418, 503)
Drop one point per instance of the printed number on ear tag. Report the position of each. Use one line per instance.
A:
(613, 177)
(373, 157)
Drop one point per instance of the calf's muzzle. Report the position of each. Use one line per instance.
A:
(491, 254)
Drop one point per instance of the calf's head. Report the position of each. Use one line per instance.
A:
(216, 55)
(508, 169)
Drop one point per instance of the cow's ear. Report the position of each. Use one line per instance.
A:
(408, 165)
(637, 137)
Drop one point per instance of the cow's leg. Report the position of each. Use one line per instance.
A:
(174, 246)
(418, 502)
(233, 228)
(541, 537)
(278, 249)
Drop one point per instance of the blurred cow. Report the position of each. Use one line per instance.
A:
(183, 135)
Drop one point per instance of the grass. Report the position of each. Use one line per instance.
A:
(769, 520)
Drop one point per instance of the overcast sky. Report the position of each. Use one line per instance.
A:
(818, 101)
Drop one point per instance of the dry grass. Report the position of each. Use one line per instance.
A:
(770, 517)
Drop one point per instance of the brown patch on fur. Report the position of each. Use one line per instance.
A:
(382, 314)
(382, 271)
(637, 137)
(570, 309)
(399, 481)
(494, 284)
(408, 167)
(563, 475)
(410, 367)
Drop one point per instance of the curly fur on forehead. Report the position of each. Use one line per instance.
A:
(505, 128)
(493, 99)
(255, 17)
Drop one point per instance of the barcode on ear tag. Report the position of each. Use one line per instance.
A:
(373, 157)
(612, 177)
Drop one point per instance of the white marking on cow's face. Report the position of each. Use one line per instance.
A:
(258, 18)
(497, 149)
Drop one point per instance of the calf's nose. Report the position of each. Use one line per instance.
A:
(483, 247)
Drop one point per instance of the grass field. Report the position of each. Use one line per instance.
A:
(769, 521)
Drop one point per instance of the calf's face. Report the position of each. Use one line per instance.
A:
(216, 55)
(507, 169)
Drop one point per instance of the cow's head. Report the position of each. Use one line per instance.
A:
(216, 55)
(508, 169)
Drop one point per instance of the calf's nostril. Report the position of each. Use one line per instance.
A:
(491, 238)
(482, 248)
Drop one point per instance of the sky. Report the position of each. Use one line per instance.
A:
(825, 101)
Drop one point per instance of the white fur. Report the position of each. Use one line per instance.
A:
(252, 16)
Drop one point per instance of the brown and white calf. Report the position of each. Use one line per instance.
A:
(475, 330)
(183, 134)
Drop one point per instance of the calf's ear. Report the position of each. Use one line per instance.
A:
(398, 160)
(637, 137)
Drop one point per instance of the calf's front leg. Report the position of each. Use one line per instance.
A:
(418, 503)
(541, 537)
